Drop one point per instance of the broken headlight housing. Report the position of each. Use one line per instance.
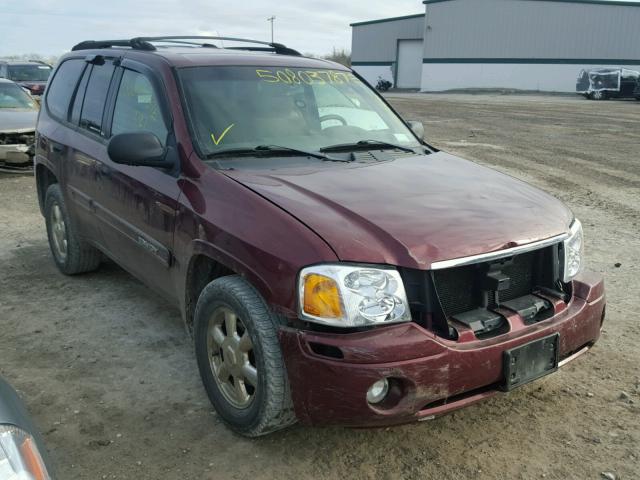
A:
(352, 296)
(573, 248)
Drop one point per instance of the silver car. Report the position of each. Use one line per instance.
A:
(18, 115)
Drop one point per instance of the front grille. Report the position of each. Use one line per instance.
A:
(23, 138)
(436, 296)
(459, 288)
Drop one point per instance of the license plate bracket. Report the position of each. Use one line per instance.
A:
(530, 361)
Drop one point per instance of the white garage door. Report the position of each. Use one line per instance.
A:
(409, 63)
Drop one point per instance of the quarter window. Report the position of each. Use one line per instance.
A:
(95, 97)
(62, 86)
(137, 108)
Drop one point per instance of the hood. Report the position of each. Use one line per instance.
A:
(411, 211)
(14, 119)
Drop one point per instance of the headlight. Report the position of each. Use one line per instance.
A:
(352, 296)
(19, 456)
(573, 252)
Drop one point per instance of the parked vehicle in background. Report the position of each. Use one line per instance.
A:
(636, 91)
(18, 115)
(31, 74)
(332, 266)
(383, 85)
(605, 83)
(22, 452)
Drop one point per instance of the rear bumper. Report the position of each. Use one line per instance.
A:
(434, 375)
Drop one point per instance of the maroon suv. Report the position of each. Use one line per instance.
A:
(331, 266)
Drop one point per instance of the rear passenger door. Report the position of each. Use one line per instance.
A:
(57, 139)
(87, 149)
(138, 204)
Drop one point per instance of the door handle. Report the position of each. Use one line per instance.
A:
(57, 148)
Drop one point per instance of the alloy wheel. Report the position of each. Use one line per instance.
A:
(59, 232)
(231, 357)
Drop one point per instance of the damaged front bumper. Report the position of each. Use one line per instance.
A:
(16, 151)
(429, 376)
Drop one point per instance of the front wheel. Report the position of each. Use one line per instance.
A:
(239, 358)
(599, 95)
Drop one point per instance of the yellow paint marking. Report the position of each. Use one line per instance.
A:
(222, 135)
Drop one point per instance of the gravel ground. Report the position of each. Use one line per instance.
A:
(108, 373)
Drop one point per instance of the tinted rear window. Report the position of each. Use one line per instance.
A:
(95, 97)
(62, 87)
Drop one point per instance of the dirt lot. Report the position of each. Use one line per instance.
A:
(109, 374)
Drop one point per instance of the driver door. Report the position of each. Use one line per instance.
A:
(138, 204)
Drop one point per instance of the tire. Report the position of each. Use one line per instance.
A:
(258, 409)
(599, 95)
(74, 256)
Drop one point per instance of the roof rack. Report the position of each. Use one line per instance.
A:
(146, 43)
(96, 44)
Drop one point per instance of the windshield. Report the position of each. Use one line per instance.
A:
(12, 96)
(307, 109)
(29, 73)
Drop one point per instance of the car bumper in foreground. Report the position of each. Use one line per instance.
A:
(331, 373)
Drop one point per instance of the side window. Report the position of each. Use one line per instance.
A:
(62, 86)
(137, 108)
(95, 97)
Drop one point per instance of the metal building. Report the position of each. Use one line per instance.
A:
(513, 44)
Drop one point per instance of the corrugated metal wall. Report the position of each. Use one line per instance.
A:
(377, 42)
(530, 29)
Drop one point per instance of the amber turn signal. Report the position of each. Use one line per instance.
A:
(322, 297)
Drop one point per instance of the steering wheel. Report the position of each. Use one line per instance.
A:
(333, 116)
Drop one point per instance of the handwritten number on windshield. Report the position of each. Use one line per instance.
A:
(310, 77)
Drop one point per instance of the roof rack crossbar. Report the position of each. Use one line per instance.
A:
(146, 43)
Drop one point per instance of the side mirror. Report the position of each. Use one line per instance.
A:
(417, 128)
(141, 149)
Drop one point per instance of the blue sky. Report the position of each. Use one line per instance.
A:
(51, 27)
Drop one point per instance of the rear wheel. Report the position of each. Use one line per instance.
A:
(599, 95)
(70, 253)
(239, 358)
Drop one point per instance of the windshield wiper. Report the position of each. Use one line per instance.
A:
(365, 145)
(275, 149)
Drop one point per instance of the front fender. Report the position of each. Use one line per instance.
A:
(249, 235)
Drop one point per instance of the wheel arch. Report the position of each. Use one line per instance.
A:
(45, 177)
(208, 263)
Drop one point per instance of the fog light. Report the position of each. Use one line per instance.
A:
(378, 391)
